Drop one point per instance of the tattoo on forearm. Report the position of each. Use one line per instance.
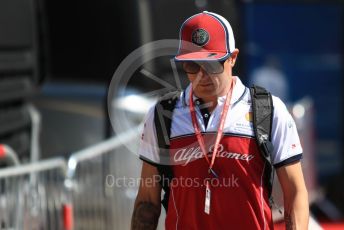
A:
(288, 221)
(145, 216)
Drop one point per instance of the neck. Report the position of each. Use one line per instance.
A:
(227, 88)
(211, 102)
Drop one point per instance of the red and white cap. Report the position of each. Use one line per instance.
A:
(205, 37)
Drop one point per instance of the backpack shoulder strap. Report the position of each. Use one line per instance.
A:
(262, 108)
(163, 119)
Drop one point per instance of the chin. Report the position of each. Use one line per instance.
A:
(206, 91)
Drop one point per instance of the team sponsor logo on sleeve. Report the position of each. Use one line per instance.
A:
(143, 133)
(290, 124)
(293, 146)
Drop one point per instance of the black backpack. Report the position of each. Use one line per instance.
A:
(262, 109)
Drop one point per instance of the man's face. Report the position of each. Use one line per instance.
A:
(211, 78)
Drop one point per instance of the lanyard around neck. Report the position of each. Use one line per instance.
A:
(220, 129)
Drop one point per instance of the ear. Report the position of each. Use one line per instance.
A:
(233, 57)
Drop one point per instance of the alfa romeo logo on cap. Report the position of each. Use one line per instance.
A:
(200, 37)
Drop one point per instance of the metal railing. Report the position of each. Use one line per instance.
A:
(98, 203)
(33, 196)
(73, 194)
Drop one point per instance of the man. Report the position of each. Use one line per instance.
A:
(212, 138)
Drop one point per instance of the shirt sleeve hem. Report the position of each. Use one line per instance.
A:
(149, 161)
(290, 160)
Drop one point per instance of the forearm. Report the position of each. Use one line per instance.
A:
(147, 204)
(296, 211)
(145, 216)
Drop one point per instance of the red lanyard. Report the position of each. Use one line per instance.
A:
(220, 129)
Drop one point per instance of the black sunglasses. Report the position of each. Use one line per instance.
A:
(213, 67)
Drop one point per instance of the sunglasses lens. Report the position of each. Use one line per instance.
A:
(210, 67)
(191, 67)
(213, 67)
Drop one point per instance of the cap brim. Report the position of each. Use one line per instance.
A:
(202, 56)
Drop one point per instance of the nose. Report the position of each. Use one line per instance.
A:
(203, 77)
(202, 74)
